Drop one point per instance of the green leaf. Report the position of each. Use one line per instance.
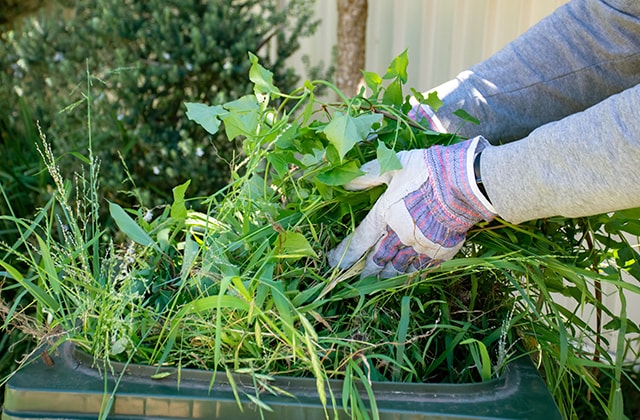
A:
(234, 388)
(398, 67)
(629, 213)
(119, 346)
(294, 245)
(82, 158)
(280, 162)
(129, 226)
(311, 159)
(344, 131)
(49, 266)
(393, 93)
(190, 253)
(401, 337)
(616, 324)
(178, 208)
(433, 101)
(387, 158)
(262, 79)
(373, 81)
(243, 117)
(259, 403)
(217, 344)
(210, 303)
(36, 291)
(287, 136)
(205, 115)
(466, 116)
(284, 307)
(341, 175)
(346, 386)
(480, 356)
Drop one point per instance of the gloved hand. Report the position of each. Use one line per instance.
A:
(423, 216)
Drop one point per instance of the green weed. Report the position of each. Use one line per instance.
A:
(245, 287)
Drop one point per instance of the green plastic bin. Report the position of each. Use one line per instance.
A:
(73, 389)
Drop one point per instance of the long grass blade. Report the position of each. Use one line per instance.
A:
(401, 337)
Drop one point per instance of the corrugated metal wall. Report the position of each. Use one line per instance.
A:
(443, 37)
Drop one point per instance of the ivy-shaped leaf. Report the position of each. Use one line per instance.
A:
(287, 136)
(262, 79)
(280, 162)
(178, 208)
(294, 245)
(344, 131)
(393, 93)
(373, 81)
(398, 67)
(387, 158)
(205, 115)
(341, 175)
(310, 159)
(243, 117)
(432, 100)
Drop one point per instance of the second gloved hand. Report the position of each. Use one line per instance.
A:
(423, 217)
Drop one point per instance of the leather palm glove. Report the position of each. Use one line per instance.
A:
(423, 216)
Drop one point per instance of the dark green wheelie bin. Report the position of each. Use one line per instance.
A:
(72, 389)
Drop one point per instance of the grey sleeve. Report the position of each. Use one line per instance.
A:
(581, 54)
(587, 163)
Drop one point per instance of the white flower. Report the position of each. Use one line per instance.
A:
(199, 152)
(156, 170)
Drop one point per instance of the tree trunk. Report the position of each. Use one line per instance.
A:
(352, 35)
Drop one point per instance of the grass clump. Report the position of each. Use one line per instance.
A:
(245, 287)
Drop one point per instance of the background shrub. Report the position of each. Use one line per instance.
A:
(140, 61)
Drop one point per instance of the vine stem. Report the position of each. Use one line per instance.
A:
(598, 292)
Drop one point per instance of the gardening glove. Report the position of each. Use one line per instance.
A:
(423, 216)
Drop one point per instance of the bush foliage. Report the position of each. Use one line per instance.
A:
(142, 59)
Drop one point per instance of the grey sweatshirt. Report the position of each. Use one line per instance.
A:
(561, 104)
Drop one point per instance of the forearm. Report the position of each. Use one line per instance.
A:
(585, 164)
(578, 56)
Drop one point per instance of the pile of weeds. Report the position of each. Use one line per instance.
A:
(245, 287)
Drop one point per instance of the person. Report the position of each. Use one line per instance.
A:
(559, 108)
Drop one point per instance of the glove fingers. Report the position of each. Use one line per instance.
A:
(389, 258)
(392, 252)
(370, 267)
(411, 235)
(363, 239)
